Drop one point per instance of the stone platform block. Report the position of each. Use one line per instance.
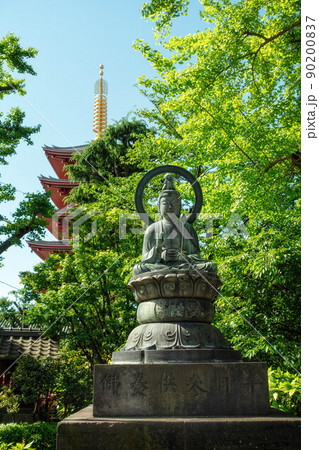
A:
(181, 390)
(82, 431)
(197, 355)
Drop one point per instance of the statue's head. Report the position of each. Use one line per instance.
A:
(169, 199)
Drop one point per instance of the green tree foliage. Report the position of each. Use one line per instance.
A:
(10, 314)
(105, 158)
(25, 220)
(12, 130)
(285, 391)
(227, 103)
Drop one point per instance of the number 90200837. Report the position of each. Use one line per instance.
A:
(310, 47)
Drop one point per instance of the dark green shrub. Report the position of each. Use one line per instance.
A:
(56, 388)
(41, 434)
(34, 381)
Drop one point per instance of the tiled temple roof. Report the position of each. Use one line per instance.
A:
(58, 181)
(75, 148)
(27, 341)
(44, 248)
(50, 244)
(59, 188)
(60, 157)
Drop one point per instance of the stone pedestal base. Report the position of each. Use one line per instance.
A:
(181, 390)
(200, 355)
(82, 431)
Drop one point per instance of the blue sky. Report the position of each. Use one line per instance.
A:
(73, 39)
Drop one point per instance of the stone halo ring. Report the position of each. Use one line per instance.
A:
(168, 169)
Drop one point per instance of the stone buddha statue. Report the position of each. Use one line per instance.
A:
(171, 243)
(174, 287)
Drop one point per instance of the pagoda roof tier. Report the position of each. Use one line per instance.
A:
(59, 157)
(59, 188)
(44, 248)
(56, 150)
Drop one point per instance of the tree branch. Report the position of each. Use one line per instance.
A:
(251, 33)
(266, 41)
(276, 161)
(280, 33)
(19, 234)
(8, 88)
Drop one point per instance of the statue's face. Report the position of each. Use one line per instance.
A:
(170, 204)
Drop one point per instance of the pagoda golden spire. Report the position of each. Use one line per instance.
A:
(100, 105)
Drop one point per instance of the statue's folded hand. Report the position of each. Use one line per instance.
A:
(172, 254)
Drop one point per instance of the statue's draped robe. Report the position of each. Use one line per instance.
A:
(187, 248)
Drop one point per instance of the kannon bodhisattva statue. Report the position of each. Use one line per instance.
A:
(171, 243)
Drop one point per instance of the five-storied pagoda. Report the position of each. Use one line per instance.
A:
(60, 187)
(177, 383)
